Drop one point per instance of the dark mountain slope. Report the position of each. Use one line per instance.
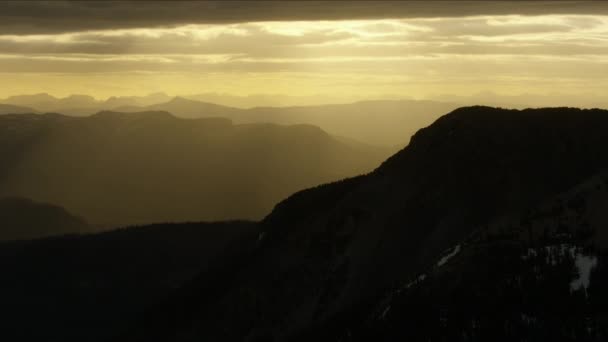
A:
(24, 219)
(85, 288)
(116, 168)
(538, 275)
(322, 259)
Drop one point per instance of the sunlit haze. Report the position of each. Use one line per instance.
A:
(565, 55)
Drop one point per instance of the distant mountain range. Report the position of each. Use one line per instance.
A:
(385, 122)
(280, 100)
(46, 102)
(389, 121)
(79, 105)
(127, 168)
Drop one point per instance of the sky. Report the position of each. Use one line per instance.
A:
(359, 49)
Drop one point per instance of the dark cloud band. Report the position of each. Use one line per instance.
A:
(35, 17)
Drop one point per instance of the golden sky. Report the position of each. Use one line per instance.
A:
(410, 57)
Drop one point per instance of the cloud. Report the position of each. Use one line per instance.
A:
(417, 68)
(502, 35)
(415, 52)
(36, 17)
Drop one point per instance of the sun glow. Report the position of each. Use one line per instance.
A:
(413, 57)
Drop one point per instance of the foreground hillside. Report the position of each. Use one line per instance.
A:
(87, 287)
(115, 168)
(538, 275)
(333, 258)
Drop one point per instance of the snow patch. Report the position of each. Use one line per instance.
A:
(416, 281)
(528, 320)
(530, 253)
(446, 258)
(556, 253)
(384, 312)
(553, 254)
(584, 265)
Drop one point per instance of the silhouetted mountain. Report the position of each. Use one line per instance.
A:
(85, 288)
(185, 108)
(47, 103)
(283, 100)
(151, 99)
(24, 219)
(81, 105)
(388, 123)
(42, 99)
(12, 109)
(116, 168)
(385, 123)
(330, 256)
(526, 100)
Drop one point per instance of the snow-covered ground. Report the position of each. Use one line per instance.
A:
(584, 265)
(447, 258)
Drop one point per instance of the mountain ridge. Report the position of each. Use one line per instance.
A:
(13, 109)
(488, 216)
(387, 123)
(136, 161)
(336, 258)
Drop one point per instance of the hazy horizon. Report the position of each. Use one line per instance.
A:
(519, 100)
(320, 53)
